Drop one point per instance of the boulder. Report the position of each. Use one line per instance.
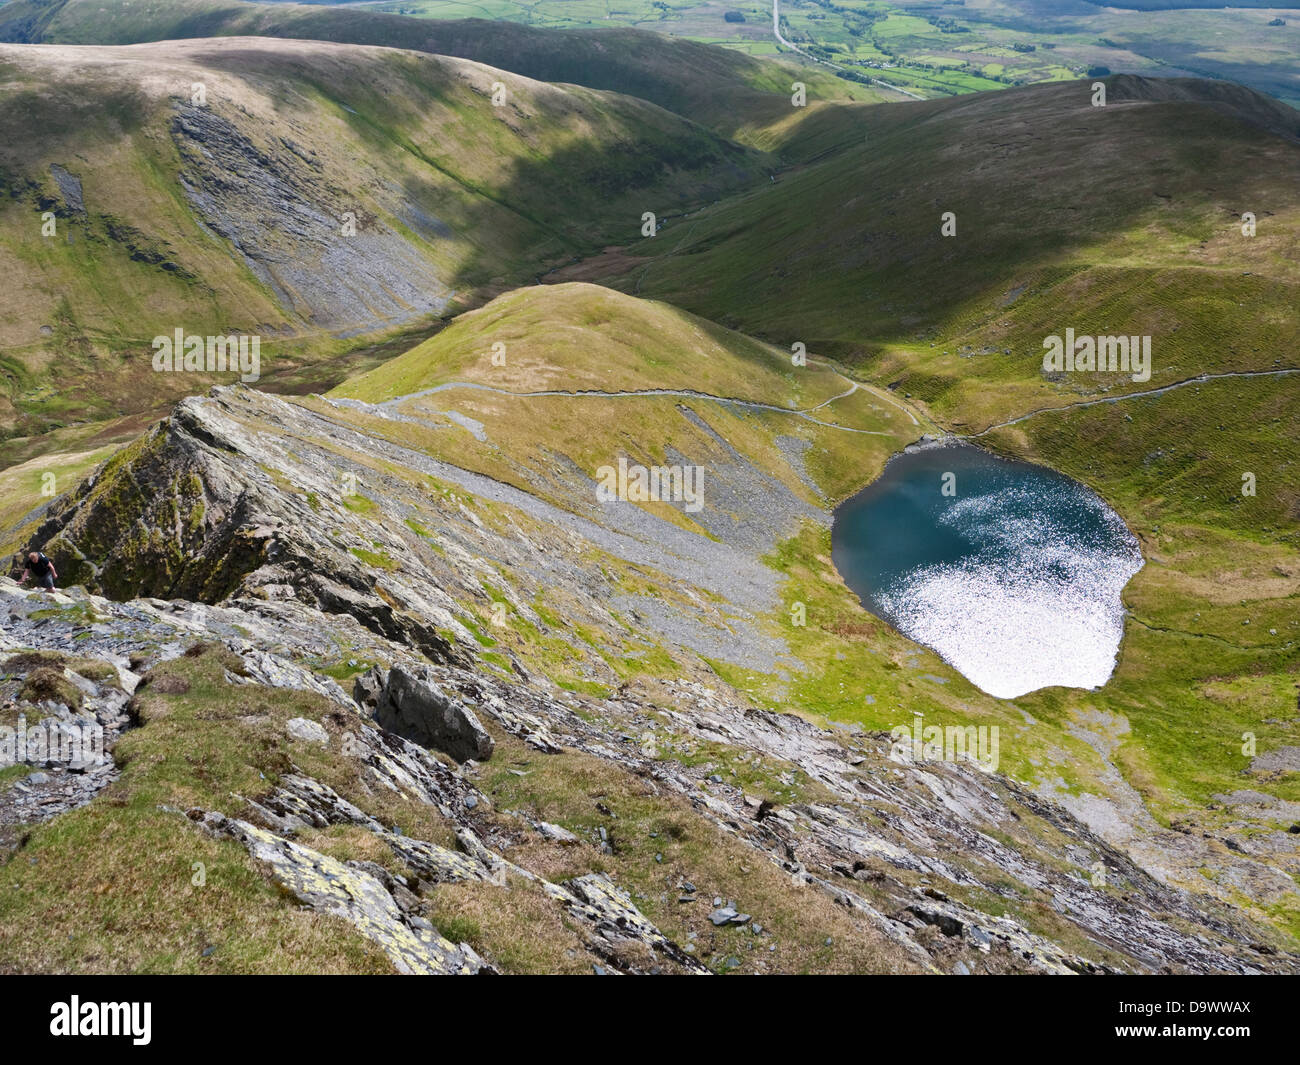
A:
(418, 710)
(302, 728)
(368, 687)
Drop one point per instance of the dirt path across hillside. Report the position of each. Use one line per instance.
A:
(804, 412)
(1134, 395)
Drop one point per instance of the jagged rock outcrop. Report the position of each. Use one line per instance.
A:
(904, 847)
(416, 709)
(62, 722)
(296, 539)
(368, 687)
(355, 895)
(611, 922)
(182, 513)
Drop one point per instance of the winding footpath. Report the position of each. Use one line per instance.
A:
(685, 393)
(390, 407)
(1201, 379)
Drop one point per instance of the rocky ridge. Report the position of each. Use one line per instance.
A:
(898, 845)
(304, 547)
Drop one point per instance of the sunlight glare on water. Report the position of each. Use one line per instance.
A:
(1015, 579)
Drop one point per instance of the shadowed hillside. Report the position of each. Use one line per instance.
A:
(1122, 218)
(305, 192)
(737, 95)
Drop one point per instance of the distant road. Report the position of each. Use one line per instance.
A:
(776, 32)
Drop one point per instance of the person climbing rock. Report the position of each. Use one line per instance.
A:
(43, 569)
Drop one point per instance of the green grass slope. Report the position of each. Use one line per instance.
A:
(578, 337)
(1153, 759)
(619, 375)
(1117, 219)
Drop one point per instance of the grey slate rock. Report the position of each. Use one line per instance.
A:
(367, 688)
(418, 710)
(308, 731)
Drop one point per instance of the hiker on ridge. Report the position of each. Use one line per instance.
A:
(43, 568)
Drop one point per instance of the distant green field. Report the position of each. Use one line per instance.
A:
(873, 37)
(943, 47)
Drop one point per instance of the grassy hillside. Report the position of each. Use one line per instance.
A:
(136, 212)
(1117, 219)
(1124, 218)
(624, 376)
(1147, 760)
(579, 337)
(1210, 651)
(740, 96)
